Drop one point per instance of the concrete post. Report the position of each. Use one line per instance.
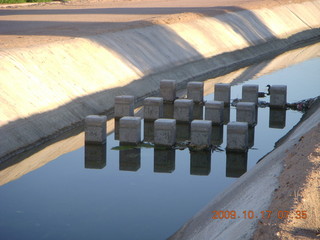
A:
(250, 93)
(153, 108)
(168, 110)
(226, 115)
(214, 112)
(197, 111)
(148, 131)
(195, 91)
(201, 133)
(278, 96)
(222, 92)
(165, 132)
(183, 110)
(237, 136)
(123, 106)
(183, 132)
(246, 112)
(217, 135)
(95, 129)
(168, 90)
(164, 160)
(130, 130)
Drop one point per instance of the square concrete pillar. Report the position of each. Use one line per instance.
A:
(130, 130)
(214, 112)
(95, 129)
(165, 132)
(201, 133)
(195, 91)
(123, 106)
(222, 92)
(278, 96)
(168, 90)
(246, 112)
(237, 136)
(153, 108)
(183, 110)
(250, 93)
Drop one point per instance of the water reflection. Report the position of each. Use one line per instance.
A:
(116, 129)
(164, 160)
(277, 118)
(168, 109)
(200, 163)
(183, 132)
(217, 135)
(236, 164)
(197, 111)
(95, 156)
(250, 137)
(226, 115)
(129, 159)
(148, 131)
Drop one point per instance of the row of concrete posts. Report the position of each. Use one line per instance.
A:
(165, 129)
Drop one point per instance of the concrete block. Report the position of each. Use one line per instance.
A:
(130, 130)
(246, 112)
(165, 132)
(201, 132)
(116, 128)
(217, 135)
(168, 110)
(195, 91)
(168, 90)
(164, 160)
(148, 131)
(197, 111)
(237, 136)
(183, 131)
(226, 115)
(278, 96)
(183, 110)
(250, 93)
(200, 163)
(153, 108)
(95, 129)
(130, 159)
(277, 118)
(222, 92)
(123, 106)
(214, 112)
(250, 137)
(236, 164)
(95, 156)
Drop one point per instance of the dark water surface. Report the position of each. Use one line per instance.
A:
(65, 200)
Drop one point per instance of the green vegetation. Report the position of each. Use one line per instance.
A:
(22, 1)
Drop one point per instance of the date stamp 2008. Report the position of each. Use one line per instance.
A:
(261, 215)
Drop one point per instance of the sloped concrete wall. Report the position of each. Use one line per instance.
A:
(47, 89)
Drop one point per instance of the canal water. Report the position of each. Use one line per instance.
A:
(142, 194)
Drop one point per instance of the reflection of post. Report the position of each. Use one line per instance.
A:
(277, 118)
(236, 164)
(148, 131)
(217, 135)
(226, 115)
(164, 160)
(168, 110)
(116, 129)
(95, 156)
(129, 160)
(250, 137)
(200, 163)
(197, 111)
(183, 132)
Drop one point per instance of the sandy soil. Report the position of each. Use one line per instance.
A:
(24, 26)
(298, 193)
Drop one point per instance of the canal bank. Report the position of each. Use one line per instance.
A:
(52, 87)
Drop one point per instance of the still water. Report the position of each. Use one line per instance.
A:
(151, 195)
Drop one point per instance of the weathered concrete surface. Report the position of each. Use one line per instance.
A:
(54, 86)
(40, 155)
(253, 191)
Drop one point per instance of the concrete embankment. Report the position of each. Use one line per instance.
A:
(48, 89)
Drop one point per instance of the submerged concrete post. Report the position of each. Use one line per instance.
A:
(195, 91)
(222, 92)
(130, 130)
(250, 93)
(183, 110)
(214, 112)
(237, 136)
(123, 106)
(246, 112)
(168, 90)
(95, 129)
(153, 108)
(201, 133)
(165, 132)
(278, 96)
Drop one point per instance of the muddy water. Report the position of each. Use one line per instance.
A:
(143, 194)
